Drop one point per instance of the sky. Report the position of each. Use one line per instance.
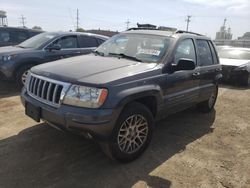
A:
(207, 15)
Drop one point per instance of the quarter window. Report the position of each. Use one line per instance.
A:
(204, 53)
(185, 49)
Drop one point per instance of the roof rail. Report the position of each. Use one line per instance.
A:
(142, 28)
(181, 31)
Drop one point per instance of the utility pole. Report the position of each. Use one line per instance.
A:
(127, 23)
(77, 19)
(23, 21)
(188, 21)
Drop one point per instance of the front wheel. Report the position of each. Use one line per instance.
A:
(22, 74)
(208, 105)
(132, 133)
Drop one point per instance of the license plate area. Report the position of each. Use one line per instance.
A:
(33, 111)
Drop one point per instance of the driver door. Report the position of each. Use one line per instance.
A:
(182, 87)
(69, 47)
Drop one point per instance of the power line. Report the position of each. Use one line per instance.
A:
(188, 21)
(77, 19)
(23, 21)
(127, 23)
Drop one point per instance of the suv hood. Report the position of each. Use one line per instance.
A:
(233, 62)
(91, 69)
(8, 50)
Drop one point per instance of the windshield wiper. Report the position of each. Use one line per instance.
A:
(20, 46)
(126, 56)
(98, 53)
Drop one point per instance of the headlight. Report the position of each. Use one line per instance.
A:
(8, 57)
(85, 96)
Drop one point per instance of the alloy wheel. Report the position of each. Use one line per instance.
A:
(132, 134)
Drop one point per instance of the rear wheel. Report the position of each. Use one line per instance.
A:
(132, 133)
(22, 74)
(208, 105)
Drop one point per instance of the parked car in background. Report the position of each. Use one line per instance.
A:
(235, 65)
(116, 94)
(10, 36)
(15, 61)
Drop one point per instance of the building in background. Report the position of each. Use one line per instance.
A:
(3, 18)
(224, 33)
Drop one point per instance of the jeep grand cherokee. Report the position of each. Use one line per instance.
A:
(117, 93)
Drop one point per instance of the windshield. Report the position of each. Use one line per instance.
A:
(234, 54)
(37, 41)
(145, 48)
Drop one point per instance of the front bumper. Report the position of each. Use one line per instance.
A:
(6, 70)
(234, 75)
(97, 122)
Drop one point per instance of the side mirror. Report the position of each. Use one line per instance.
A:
(54, 47)
(184, 64)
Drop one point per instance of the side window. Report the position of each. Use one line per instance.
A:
(204, 53)
(215, 57)
(67, 42)
(185, 49)
(4, 36)
(21, 36)
(100, 41)
(88, 42)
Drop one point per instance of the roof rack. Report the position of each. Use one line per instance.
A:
(142, 28)
(181, 31)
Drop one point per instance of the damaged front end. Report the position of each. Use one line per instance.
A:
(238, 75)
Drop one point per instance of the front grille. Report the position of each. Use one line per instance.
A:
(45, 90)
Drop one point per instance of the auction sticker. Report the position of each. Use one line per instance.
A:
(149, 52)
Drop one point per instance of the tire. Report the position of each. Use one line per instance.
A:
(246, 79)
(135, 124)
(21, 74)
(208, 105)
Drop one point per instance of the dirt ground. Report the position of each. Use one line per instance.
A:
(189, 149)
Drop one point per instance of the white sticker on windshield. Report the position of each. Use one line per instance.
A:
(49, 36)
(149, 52)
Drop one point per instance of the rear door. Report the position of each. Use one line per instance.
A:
(87, 44)
(182, 87)
(208, 66)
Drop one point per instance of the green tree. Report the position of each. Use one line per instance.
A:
(80, 30)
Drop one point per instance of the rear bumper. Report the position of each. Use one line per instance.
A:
(97, 122)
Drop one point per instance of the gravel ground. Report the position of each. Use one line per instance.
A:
(189, 149)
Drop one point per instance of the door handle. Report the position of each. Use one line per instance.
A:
(77, 52)
(196, 74)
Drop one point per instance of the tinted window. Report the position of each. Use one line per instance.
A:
(88, 42)
(100, 41)
(185, 49)
(67, 42)
(4, 36)
(21, 36)
(215, 58)
(204, 53)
